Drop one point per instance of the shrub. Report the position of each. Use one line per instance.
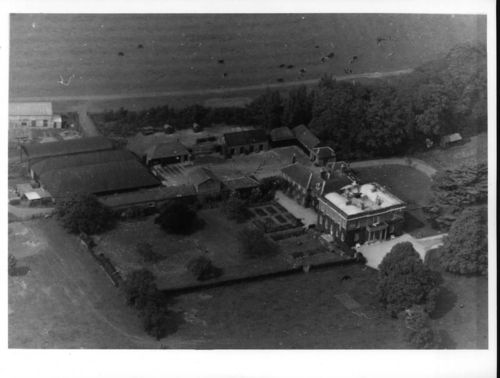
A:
(404, 280)
(465, 250)
(235, 208)
(203, 269)
(420, 335)
(83, 213)
(254, 243)
(178, 218)
(155, 319)
(140, 288)
(145, 250)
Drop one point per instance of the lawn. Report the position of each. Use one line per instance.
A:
(65, 300)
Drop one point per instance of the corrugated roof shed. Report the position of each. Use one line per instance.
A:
(241, 138)
(78, 160)
(100, 178)
(200, 175)
(306, 137)
(147, 195)
(281, 134)
(67, 147)
(165, 150)
(30, 109)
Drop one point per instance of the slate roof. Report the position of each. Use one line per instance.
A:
(306, 137)
(240, 138)
(78, 160)
(66, 147)
(301, 174)
(165, 150)
(324, 152)
(30, 109)
(99, 178)
(281, 133)
(200, 175)
(147, 195)
(244, 182)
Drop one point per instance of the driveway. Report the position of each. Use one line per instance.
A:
(374, 253)
(418, 164)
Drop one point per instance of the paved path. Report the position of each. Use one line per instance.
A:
(306, 215)
(25, 213)
(418, 164)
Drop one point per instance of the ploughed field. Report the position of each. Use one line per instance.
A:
(129, 54)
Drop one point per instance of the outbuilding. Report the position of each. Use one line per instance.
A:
(245, 142)
(167, 153)
(33, 115)
(451, 140)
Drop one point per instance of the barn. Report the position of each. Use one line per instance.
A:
(306, 139)
(33, 115)
(282, 137)
(245, 142)
(204, 181)
(167, 153)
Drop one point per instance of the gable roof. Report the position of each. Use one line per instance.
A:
(200, 175)
(240, 138)
(165, 150)
(306, 137)
(30, 109)
(324, 152)
(451, 138)
(147, 195)
(301, 176)
(281, 133)
(78, 160)
(99, 178)
(66, 147)
(244, 182)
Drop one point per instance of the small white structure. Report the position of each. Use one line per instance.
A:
(33, 115)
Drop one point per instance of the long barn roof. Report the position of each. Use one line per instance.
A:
(66, 147)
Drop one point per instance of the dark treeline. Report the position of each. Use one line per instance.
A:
(358, 120)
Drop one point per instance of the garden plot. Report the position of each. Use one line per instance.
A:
(272, 217)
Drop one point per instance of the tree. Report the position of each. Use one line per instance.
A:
(404, 280)
(83, 213)
(297, 107)
(155, 319)
(235, 208)
(266, 110)
(145, 250)
(203, 268)
(465, 250)
(178, 218)
(140, 288)
(254, 243)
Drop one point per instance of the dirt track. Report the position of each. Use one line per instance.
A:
(202, 92)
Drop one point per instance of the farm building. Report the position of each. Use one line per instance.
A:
(243, 185)
(146, 199)
(323, 156)
(244, 142)
(33, 115)
(88, 158)
(360, 213)
(204, 181)
(167, 153)
(306, 186)
(451, 140)
(306, 139)
(99, 179)
(282, 137)
(37, 197)
(35, 151)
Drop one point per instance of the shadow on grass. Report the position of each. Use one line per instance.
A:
(174, 320)
(445, 301)
(412, 223)
(19, 271)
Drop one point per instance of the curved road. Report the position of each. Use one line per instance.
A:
(418, 164)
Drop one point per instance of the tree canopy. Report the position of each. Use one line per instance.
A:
(84, 213)
(465, 250)
(405, 281)
(178, 218)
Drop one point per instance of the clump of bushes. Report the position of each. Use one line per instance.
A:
(235, 208)
(179, 218)
(142, 294)
(203, 269)
(421, 335)
(83, 213)
(254, 243)
(145, 250)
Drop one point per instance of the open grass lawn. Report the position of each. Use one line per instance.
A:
(473, 151)
(65, 300)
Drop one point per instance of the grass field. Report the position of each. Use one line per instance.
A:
(181, 52)
(66, 300)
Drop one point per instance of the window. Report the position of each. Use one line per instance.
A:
(242, 150)
(24, 123)
(55, 124)
(232, 151)
(33, 123)
(356, 236)
(391, 229)
(261, 147)
(342, 237)
(45, 123)
(251, 148)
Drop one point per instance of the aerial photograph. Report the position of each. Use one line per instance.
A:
(248, 181)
